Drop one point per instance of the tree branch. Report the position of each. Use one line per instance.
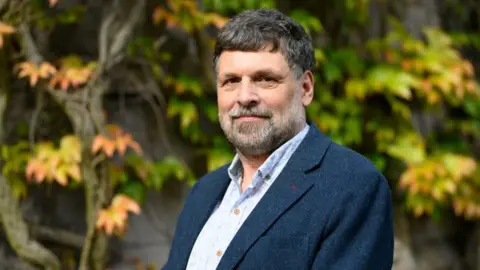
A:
(17, 231)
(3, 4)
(58, 236)
(39, 98)
(112, 52)
(10, 213)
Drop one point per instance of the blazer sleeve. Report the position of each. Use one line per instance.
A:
(359, 234)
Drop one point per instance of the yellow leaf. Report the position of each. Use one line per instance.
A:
(418, 210)
(61, 175)
(458, 206)
(70, 146)
(437, 193)
(450, 186)
(74, 172)
(46, 70)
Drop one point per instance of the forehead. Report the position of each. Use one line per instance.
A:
(246, 62)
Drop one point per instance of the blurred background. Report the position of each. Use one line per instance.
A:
(109, 116)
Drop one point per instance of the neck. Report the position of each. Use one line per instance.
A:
(250, 165)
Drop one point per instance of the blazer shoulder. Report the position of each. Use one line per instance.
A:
(350, 168)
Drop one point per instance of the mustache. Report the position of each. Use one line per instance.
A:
(242, 111)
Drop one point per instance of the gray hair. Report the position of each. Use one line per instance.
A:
(255, 30)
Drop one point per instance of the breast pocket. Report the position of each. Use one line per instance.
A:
(271, 252)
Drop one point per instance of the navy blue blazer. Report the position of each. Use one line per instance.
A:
(330, 208)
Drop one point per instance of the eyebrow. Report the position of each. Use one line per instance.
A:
(258, 73)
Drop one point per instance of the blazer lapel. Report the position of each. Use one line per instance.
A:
(287, 189)
(202, 206)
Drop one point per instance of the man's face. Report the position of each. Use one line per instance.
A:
(261, 104)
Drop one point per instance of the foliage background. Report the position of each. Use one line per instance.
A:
(395, 81)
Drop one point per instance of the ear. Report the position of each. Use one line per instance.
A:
(308, 87)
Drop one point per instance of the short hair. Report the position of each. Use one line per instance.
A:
(255, 30)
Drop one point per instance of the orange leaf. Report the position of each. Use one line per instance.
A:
(108, 147)
(110, 219)
(127, 140)
(471, 85)
(122, 144)
(217, 20)
(136, 147)
(468, 68)
(406, 65)
(52, 2)
(6, 29)
(113, 130)
(159, 14)
(34, 166)
(97, 143)
(28, 69)
(124, 203)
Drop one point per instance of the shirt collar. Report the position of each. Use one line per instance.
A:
(265, 170)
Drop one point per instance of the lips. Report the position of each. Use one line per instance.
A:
(249, 117)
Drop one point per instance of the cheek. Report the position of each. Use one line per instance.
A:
(278, 102)
(224, 102)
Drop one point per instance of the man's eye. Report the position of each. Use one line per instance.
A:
(231, 81)
(267, 82)
(267, 79)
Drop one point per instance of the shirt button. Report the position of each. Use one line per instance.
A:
(236, 211)
(219, 253)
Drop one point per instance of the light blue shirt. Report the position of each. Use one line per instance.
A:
(235, 207)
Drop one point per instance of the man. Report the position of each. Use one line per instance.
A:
(291, 198)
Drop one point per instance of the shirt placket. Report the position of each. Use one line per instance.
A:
(224, 223)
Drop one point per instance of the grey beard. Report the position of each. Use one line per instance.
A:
(264, 139)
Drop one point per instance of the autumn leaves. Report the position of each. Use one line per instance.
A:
(61, 164)
(72, 72)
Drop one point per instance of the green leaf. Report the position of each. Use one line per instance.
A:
(134, 190)
(319, 57)
(332, 72)
(408, 148)
(218, 157)
(189, 114)
(356, 88)
(379, 161)
(186, 110)
(18, 186)
(309, 22)
(472, 107)
(395, 80)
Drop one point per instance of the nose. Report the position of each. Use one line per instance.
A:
(247, 95)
